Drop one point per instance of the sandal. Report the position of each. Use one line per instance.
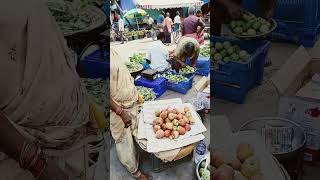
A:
(138, 175)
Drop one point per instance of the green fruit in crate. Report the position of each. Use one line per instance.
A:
(226, 59)
(219, 46)
(264, 28)
(252, 32)
(235, 57)
(240, 23)
(268, 24)
(223, 53)
(213, 50)
(217, 57)
(237, 48)
(230, 50)
(226, 44)
(242, 54)
(238, 30)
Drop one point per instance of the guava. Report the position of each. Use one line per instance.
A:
(230, 50)
(243, 54)
(256, 25)
(217, 57)
(236, 48)
(238, 30)
(235, 57)
(233, 24)
(252, 32)
(251, 167)
(264, 28)
(226, 44)
(244, 151)
(219, 46)
(224, 53)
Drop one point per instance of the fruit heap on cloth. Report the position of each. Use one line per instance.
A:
(170, 123)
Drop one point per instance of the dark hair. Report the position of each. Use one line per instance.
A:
(199, 11)
(189, 47)
(177, 13)
(167, 14)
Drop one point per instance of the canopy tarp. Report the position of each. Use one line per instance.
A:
(164, 4)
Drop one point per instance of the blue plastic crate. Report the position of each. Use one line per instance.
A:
(96, 67)
(158, 85)
(235, 79)
(298, 20)
(181, 87)
(202, 66)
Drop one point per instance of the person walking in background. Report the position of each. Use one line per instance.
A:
(167, 28)
(177, 21)
(121, 29)
(192, 25)
(160, 18)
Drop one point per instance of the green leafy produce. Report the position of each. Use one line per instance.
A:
(147, 93)
(97, 89)
(205, 51)
(174, 77)
(138, 58)
(134, 67)
(187, 70)
(250, 25)
(72, 15)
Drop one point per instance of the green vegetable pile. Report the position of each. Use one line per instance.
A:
(138, 58)
(250, 25)
(174, 77)
(205, 51)
(226, 51)
(71, 15)
(187, 70)
(134, 67)
(97, 89)
(147, 93)
(204, 173)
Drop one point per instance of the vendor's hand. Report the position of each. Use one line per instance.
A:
(126, 118)
(234, 10)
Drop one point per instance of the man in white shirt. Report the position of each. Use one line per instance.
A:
(121, 29)
(158, 55)
(177, 21)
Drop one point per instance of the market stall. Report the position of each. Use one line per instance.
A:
(164, 4)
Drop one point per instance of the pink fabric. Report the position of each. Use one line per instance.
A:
(196, 36)
(190, 24)
(168, 23)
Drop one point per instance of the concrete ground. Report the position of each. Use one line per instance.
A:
(262, 100)
(183, 171)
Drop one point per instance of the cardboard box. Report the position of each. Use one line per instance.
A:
(203, 88)
(299, 98)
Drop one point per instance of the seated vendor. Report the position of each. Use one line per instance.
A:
(157, 56)
(187, 47)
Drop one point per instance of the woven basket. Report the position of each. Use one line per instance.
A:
(98, 19)
(185, 152)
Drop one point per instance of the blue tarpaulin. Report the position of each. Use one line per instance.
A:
(128, 4)
(205, 1)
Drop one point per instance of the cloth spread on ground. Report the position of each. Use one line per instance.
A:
(43, 99)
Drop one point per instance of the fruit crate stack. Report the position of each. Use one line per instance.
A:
(235, 75)
(298, 20)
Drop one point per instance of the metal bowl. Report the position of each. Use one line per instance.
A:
(299, 136)
(258, 36)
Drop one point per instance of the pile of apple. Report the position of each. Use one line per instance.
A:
(244, 166)
(171, 123)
